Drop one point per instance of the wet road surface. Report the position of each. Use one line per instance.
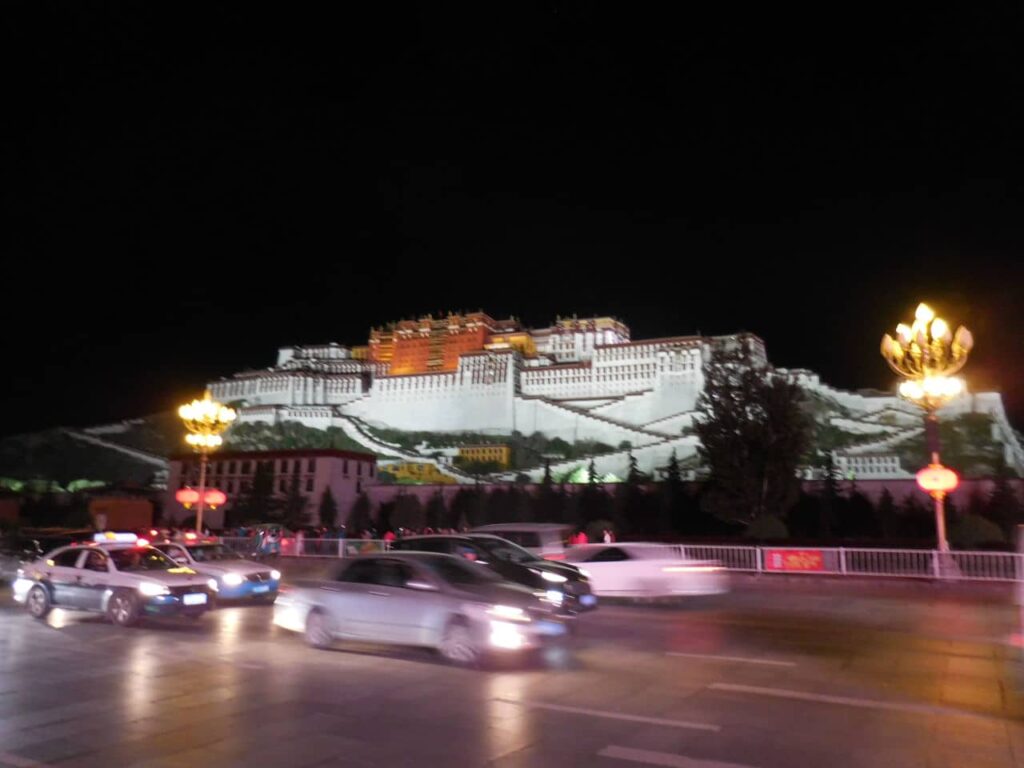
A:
(770, 675)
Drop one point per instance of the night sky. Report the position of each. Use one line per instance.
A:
(183, 193)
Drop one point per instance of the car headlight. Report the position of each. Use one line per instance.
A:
(508, 613)
(554, 578)
(506, 635)
(212, 584)
(232, 579)
(152, 589)
(554, 596)
(275, 575)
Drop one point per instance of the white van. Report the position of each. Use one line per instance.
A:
(547, 540)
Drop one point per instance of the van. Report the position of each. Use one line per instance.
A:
(547, 540)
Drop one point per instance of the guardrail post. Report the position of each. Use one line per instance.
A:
(759, 558)
(842, 560)
(936, 570)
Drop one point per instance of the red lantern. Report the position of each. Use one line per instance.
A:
(214, 498)
(937, 479)
(187, 496)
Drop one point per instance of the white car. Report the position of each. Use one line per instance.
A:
(545, 540)
(420, 598)
(646, 570)
(116, 577)
(237, 578)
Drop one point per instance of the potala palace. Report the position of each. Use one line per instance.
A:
(579, 379)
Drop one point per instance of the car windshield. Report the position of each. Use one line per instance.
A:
(461, 572)
(204, 553)
(506, 550)
(141, 559)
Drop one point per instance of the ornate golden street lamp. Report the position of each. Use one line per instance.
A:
(205, 420)
(927, 355)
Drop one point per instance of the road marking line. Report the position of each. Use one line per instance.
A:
(894, 706)
(21, 762)
(769, 662)
(663, 758)
(613, 715)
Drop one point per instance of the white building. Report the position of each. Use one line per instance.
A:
(346, 473)
(582, 379)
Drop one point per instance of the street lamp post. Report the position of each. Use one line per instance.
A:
(205, 420)
(927, 355)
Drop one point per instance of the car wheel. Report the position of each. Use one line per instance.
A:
(123, 609)
(457, 644)
(266, 599)
(318, 629)
(38, 601)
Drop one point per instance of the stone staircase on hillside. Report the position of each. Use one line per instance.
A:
(605, 420)
(356, 429)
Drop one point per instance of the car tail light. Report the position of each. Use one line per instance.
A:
(554, 556)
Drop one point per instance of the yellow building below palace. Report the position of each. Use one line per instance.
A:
(416, 472)
(500, 454)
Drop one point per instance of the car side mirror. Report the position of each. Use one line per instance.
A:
(424, 586)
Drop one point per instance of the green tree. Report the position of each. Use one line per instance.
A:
(672, 473)
(633, 474)
(385, 513)
(917, 519)
(294, 506)
(436, 513)
(830, 503)
(887, 521)
(1003, 507)
(548, 502)
(753, 431)
(359, 517)
(258, 503)
(328, 511)
(409, 513)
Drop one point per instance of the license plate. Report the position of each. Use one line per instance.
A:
(261, 588)
(194, 599)
(551, 628)
(588, 600)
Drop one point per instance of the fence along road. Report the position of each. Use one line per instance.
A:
(830, 561)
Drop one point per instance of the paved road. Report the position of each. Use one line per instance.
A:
(771, 675)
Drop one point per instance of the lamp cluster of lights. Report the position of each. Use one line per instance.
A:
(199, 442)
(927, 354)
(212, 498)
(205, 419)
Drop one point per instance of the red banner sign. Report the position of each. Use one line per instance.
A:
(794, 560)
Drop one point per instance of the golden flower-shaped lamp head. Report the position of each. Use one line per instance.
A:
(928, 355)
(205, 420)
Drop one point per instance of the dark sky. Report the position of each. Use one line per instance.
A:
(186, 188)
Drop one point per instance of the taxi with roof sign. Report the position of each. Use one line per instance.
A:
(237, 578)
(114, 575)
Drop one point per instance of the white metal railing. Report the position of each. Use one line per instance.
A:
(831, 561)
(845, 561)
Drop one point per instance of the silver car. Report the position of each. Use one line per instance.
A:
(419, 598)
